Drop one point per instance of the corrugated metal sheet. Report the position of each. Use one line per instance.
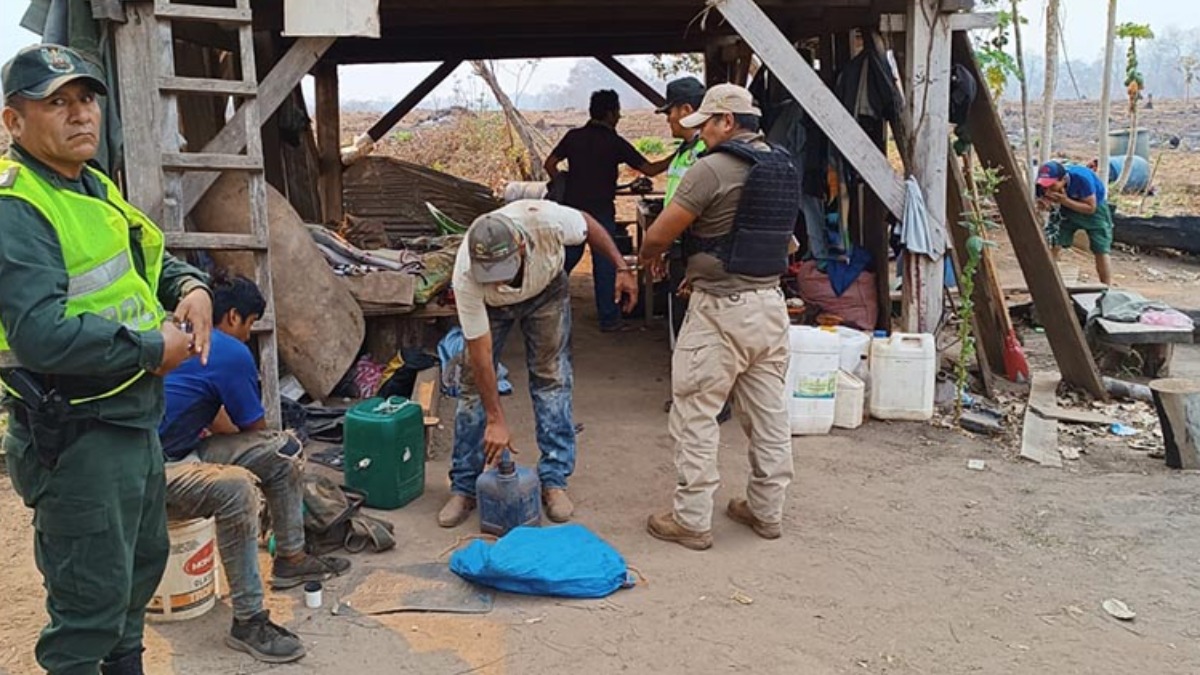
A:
(395, 192)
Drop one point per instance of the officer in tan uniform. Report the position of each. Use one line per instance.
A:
(736, 209)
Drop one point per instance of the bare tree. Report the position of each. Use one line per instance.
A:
(516, 121)
(1106, 89)
(1189, 66)
(1052, 37)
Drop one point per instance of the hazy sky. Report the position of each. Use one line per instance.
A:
(1083, 31)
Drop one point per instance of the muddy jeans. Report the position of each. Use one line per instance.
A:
(546, 322)
(224, 484)
(733, 347)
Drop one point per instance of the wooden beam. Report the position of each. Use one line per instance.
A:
(272, 91)
(898, 23)
(928, 111)
(414, 97)
(329, 141)
(1028, 241)
(777, 53)
(632, 79)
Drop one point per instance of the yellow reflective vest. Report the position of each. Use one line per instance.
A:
(96, 237)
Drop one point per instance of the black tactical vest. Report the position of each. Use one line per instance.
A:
(757, 246)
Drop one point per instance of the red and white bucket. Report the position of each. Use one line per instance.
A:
(189, 585)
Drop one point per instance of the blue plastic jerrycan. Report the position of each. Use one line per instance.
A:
(509, 496)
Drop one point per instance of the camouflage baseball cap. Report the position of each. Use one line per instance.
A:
(494, 246)
(38, 71)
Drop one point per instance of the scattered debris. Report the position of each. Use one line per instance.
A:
(741, 598)
(982, 422)
(1069, 452)
(1119, 429)
(976, 464)
(1118, 609)
(1039, 436)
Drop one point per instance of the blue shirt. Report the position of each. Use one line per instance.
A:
(1082, 183)
(195, 394)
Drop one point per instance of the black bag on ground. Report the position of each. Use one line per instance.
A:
(333, 520)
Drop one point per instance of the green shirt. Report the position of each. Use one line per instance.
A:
(85, 352)
(685, 156)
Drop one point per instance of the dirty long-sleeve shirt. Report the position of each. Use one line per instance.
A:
(87, 353)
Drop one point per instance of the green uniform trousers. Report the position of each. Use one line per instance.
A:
(100, 539)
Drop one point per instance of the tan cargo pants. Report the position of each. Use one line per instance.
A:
(731, 347)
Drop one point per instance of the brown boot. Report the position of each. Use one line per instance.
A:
(456, 510)
(739, 511)
(558, 505)
(663, 526)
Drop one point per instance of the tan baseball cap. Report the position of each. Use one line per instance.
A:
(494, 245)
(720, 100)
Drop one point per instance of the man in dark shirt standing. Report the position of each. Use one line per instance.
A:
(595, 153)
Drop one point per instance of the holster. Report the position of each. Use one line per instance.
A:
(45, 412)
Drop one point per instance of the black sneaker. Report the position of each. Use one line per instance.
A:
(285, 574)
(265, 641)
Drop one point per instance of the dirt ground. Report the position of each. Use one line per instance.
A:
(895, 559)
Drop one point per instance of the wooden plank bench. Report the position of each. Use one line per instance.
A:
(1153, 344)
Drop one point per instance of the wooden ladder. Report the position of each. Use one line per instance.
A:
(175, 163)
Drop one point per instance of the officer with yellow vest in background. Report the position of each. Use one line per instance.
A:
(683, 98)
(84, 342)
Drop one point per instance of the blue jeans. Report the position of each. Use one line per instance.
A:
(546, 322)
(604, 274)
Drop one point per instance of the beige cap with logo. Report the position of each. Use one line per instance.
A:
(720, 100)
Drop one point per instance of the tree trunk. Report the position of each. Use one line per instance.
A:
(1106, 89)
(515, 119)
(1133, 130)
(1178, 404)
(1052, 32)
(1024, 92)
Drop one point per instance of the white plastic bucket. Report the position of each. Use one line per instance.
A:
(854, 346)
(811, 379)
(848, 405)
(903, 374)
(189, 585)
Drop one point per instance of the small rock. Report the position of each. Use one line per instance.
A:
(1118, 609)
(981, 422)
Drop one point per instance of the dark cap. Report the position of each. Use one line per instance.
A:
(38, 71)
(494, 246)
(683, 90)
(1051, 173)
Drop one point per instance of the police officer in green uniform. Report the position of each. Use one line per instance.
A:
(683, 98)
(84, 341)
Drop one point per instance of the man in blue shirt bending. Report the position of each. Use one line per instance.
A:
(1076, 198)
(219, 452)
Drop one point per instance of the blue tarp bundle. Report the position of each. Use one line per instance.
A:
(566, 561)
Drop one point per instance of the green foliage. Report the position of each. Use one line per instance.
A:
(991, 52)
(975, 219)
(1134, 79)
(670, 65)
(402, 135)
(651, 146)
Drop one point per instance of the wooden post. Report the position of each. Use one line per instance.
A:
(329, 140)
(1178, 403)
(1028, 241)
(631, 78)
(137, 73)
(786, 64)
(928, 111)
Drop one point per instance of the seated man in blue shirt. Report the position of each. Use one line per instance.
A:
(219, 452)
(1076, 197)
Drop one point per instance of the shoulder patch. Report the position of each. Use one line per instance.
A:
(9, 177)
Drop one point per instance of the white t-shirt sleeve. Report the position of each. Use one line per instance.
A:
(468, 297)
(574, 227)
